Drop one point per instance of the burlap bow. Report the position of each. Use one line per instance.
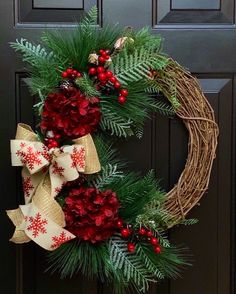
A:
(63, 164)
(41, 221)
(44, 173)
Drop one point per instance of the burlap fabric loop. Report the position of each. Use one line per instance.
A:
(63, 164)
(42, 219)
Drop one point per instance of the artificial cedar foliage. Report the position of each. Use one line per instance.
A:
(131, 66)
(141, 198)
(45, 76)
(135, 192)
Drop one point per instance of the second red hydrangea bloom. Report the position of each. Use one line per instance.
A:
(91, 214)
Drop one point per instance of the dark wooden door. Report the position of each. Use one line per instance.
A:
(201, 35)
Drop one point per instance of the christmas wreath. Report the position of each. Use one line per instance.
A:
(81, 202)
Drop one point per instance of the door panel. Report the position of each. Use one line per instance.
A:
(209, 240)
(52, 4)
(193, 12)
(195, 4)
(41, 11)
(200, 35)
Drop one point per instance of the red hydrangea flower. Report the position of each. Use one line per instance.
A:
(90, 214)
(70, 116)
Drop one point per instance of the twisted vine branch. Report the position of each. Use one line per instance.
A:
(198, 117)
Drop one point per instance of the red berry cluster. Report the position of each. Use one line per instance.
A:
(104, 76)
(103, 56)
(142, 234)
(148, 235)
(53, 142)
(71, 73)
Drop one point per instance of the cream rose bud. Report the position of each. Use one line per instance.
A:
(119, 44)
(93, 58)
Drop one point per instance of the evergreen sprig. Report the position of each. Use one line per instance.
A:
(155, 87)
(86, 86)
(33, 54)
(110, 262)
(152, 268)
(89, 20)
(136, 66)
(115, 124)
(107, 153)
(134, 194)
(170, 262)
(162, 107)
(130, 118)
(131, 265)
(189, 222)
(155, 216)
(107, 174)
(144, 38)
(73, 49)
(132, 66)
(44, 66)
(74, 256)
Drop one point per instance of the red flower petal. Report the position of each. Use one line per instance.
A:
(89, 214)
(82, 111)
(72, 116)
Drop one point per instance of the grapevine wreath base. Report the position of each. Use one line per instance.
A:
(81, 202)
(198, 117)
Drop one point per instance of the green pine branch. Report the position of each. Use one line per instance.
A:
(164, 242)
(114, 123)
(135, 111)
(138, 131)
(152, 267)
(90, 19)
(44, 66)
(143, 38)
(170, 262)
(135, 192)
(107, 174)
(154, 216)
(130, 264)
(86, 86)
(162, 107)
(154, 87)
(73, 49)
(33, 54)
(107, 153)
(189, 222)
(136, 66)
(74, 256)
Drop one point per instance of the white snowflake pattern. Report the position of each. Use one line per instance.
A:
(29, 157)
(27, 186)
(78, 157)
(59, 240)
(37, 225)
